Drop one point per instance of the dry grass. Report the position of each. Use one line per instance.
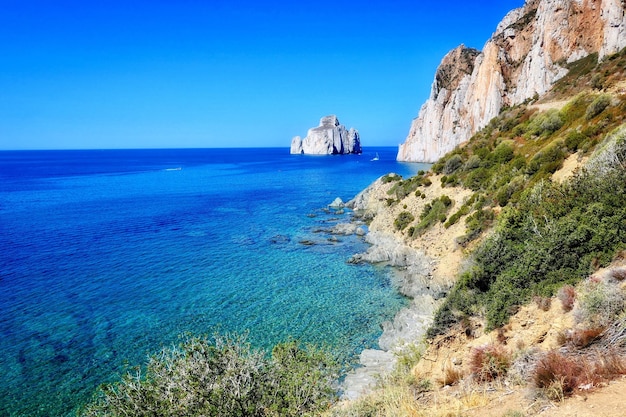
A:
(451, 376)
(567, 296)
(559, 375)
(543, 303)
(489, 362)
(581, 338)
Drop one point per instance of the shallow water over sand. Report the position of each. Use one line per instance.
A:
(109, 255)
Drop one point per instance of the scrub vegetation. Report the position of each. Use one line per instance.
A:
(222, 376)
(528, 237)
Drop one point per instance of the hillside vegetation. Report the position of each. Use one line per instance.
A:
(530, 239)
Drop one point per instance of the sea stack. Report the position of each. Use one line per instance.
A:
(329, 138)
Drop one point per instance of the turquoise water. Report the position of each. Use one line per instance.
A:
(110, 255)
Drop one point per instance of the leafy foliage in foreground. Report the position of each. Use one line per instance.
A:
(555, 235)
(222, 377)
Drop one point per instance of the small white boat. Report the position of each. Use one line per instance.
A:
(376, 158)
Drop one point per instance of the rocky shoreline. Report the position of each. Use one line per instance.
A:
(411, 274)
(412, 277)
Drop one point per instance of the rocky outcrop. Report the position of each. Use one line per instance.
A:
(525, 56)
(329, 138)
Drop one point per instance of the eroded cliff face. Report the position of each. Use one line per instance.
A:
(329, 138)
(525, 56)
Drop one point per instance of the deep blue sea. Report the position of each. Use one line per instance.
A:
(107, 256)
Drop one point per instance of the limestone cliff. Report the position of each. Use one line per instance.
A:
(525, 56)
(329, 138)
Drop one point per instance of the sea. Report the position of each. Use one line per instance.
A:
(107, 256)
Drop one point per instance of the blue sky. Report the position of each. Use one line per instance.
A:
(187, 73)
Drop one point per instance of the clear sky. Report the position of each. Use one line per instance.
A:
(222, 73)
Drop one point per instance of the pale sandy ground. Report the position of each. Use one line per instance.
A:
(438, 242)
(530, 328)
(558, 105)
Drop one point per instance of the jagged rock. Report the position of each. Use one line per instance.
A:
(329, 138)
(524, 57)
(337, 203)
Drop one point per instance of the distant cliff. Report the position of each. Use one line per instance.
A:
(525, 56)
(329, 138)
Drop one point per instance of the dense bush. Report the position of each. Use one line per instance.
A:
(405, 187)
(573, 140)
(545, 123)
(503, 153)
(551, 238)
(403, 220)
(507, 191)
(222, 377)
(452, 164)
(435, 211)
(597, 106)
(472, 163)
(475, 224)
(390, 178)
(547, 160)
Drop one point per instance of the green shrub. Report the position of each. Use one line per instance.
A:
(549, 239)
(405, 187)
(475, 224)
(477, 179)
(390, 178)
(403, 220)
(504, 194)
(465, 209)
(545, 123)
(597, 106)
(503, 153)
(573, 140)
(472, 163)
(547, 160)
(222, 377)
(434, 212)
(301, 380)
(452, 164)
(597, 81)
(551, 123)
(437, 167)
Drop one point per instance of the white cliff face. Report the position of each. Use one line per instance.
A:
(329, 138)
(524, 57)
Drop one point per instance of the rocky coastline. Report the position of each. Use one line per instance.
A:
(420, 272)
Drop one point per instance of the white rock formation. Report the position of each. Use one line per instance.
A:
(525, 56)
(329, 138)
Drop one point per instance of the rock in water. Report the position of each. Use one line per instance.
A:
(329, 138)
(526, 55)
